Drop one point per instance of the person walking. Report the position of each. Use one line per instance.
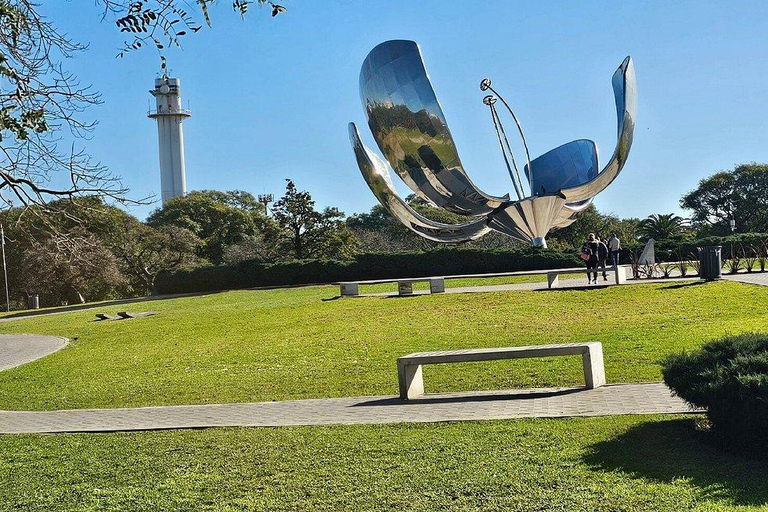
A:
(589, 254)
(614, 245)
(602, 255)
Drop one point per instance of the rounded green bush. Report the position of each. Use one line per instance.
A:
(729, 377)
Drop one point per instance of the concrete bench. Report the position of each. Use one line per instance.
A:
(437, 283)
(553, 279)
(404, 285)
(411, 381)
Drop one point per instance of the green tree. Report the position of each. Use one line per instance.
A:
(661, 227)
(142, 252)
(740, 195)
(218, 219)
(308, 233)
(87, 250)
(53, 253)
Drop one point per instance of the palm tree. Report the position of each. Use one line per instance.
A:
(661, 226)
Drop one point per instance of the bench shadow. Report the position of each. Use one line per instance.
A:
(576, 288)
(447, 399)
(671, 450)
(687, 284)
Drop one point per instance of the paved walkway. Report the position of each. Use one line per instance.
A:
(542, 403)
(758, 278)
(565, 284)
(17, 349)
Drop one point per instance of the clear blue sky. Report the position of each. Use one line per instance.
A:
(271, 98)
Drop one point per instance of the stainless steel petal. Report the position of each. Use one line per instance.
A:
(570, 213)
(376, 174)
(625, 92)
(566, 166)
(528, 220)
(409, 127)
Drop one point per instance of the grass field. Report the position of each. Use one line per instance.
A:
(295, 343)
(298, 343)
(617, 463)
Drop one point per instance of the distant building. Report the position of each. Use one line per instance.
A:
(169, 115)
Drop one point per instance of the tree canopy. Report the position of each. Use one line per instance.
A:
(661, 226)
(218, 219)
(740, 195)
(308, 233)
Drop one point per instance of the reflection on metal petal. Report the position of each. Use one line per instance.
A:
(625, 91)
(528, 220)
(570, 213)
(567, 166)
(410, 129)
(377, 176)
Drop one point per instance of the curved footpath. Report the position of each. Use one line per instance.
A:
(17, 349)
(536, 403)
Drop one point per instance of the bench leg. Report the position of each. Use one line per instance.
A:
(404, 288)
(437, 285)
(553, 280)
(350, 290)
(410, 381)
(621, 275)
(594, 369)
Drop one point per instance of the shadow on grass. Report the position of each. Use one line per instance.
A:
(673, 450)
(687, 284)
(576, 288)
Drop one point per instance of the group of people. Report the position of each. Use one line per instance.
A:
(596, 252)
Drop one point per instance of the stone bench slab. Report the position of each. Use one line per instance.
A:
(409, 367)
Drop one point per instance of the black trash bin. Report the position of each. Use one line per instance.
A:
(34, 302)
(710, 260)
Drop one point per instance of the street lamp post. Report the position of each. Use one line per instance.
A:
(5, 270)
(733, 225)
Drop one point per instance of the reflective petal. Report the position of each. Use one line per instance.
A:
(377, 176)
(625, 92)
(410, 129)
(567, 166)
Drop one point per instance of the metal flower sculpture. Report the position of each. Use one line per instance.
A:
(410, 129)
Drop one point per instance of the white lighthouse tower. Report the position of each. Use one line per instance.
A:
(169, 115)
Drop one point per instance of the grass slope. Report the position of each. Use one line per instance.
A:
(288, 344)
(584, 464)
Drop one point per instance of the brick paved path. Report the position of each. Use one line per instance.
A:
(544, 403)
(17, 349)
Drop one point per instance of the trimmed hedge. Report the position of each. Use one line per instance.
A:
(251, 274)
(730, 378)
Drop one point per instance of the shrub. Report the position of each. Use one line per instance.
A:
(729, 377)
(251, 274)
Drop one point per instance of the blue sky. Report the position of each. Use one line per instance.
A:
(271, 98)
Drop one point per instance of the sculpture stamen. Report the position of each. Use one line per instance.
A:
(500, 133)
(485, 85)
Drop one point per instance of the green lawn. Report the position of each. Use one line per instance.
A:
(617, 463)
(298, 343)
